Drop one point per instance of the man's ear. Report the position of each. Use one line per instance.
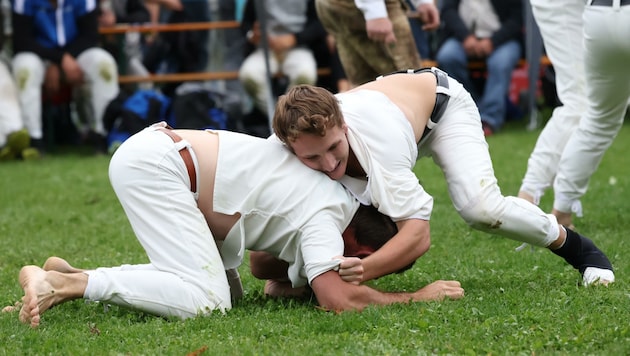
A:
(351, 247)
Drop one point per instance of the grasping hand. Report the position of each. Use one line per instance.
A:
(350, 269)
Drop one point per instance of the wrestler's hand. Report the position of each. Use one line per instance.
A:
(351, 269)
(380, 30)
(430, 16)
(439, 290)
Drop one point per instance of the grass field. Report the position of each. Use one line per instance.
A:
(516, 303)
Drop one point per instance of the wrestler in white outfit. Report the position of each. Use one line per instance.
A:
(383, 141)
(285, 208)
(606, 55)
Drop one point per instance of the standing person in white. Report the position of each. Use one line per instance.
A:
(607, 75)
(560, 24)
(187, 191)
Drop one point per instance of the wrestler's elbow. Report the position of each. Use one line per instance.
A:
(418, 234)
(334, 294)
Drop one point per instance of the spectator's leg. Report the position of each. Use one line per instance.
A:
(500, 65)
(28, 72)
(300, 66)
(101, 74)
(452, 58)
(254, 78)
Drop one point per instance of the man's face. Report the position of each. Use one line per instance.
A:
(328, 154)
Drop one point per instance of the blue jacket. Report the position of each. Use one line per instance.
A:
(50, 31)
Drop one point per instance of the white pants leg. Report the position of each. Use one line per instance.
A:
(607, 55)
(186, 277)
(458, 146)
(28, 72)
(101, 83)
(10, 114)
(560, 23)
(300, 66)
(254, 77)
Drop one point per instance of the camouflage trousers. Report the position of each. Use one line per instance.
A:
(363, 59)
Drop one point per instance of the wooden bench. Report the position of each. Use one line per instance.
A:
(180, 77)
(219, 75)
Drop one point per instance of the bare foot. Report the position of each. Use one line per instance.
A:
(38, 294)
(60, 265)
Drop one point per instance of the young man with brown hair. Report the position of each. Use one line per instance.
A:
(369, 139)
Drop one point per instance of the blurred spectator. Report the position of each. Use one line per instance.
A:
(374, 36)
(293, 30)
(114, 12)
(14, 139)
(487, 30)
(56, 48)
(178, 51)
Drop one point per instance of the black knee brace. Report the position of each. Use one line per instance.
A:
(580, 252)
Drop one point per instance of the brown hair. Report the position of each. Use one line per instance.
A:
(305, 109)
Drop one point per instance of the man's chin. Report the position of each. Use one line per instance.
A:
(334, 175)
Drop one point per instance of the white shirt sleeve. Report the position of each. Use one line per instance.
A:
(320, 241)
(372, 9)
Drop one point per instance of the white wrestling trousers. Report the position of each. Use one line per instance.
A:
(185, 276)
(607, 68)
(101, 86)
(10, 114)
(459, 148)
(560, 23)
(298, 64)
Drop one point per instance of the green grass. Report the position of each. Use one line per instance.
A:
(516, 303)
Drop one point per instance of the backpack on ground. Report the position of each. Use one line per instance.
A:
(128, 114)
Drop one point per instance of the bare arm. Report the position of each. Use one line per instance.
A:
(334, 294)
(264, 265)
(412, 241)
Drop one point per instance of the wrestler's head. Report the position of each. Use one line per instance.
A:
(308, 120)
(368, 231)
